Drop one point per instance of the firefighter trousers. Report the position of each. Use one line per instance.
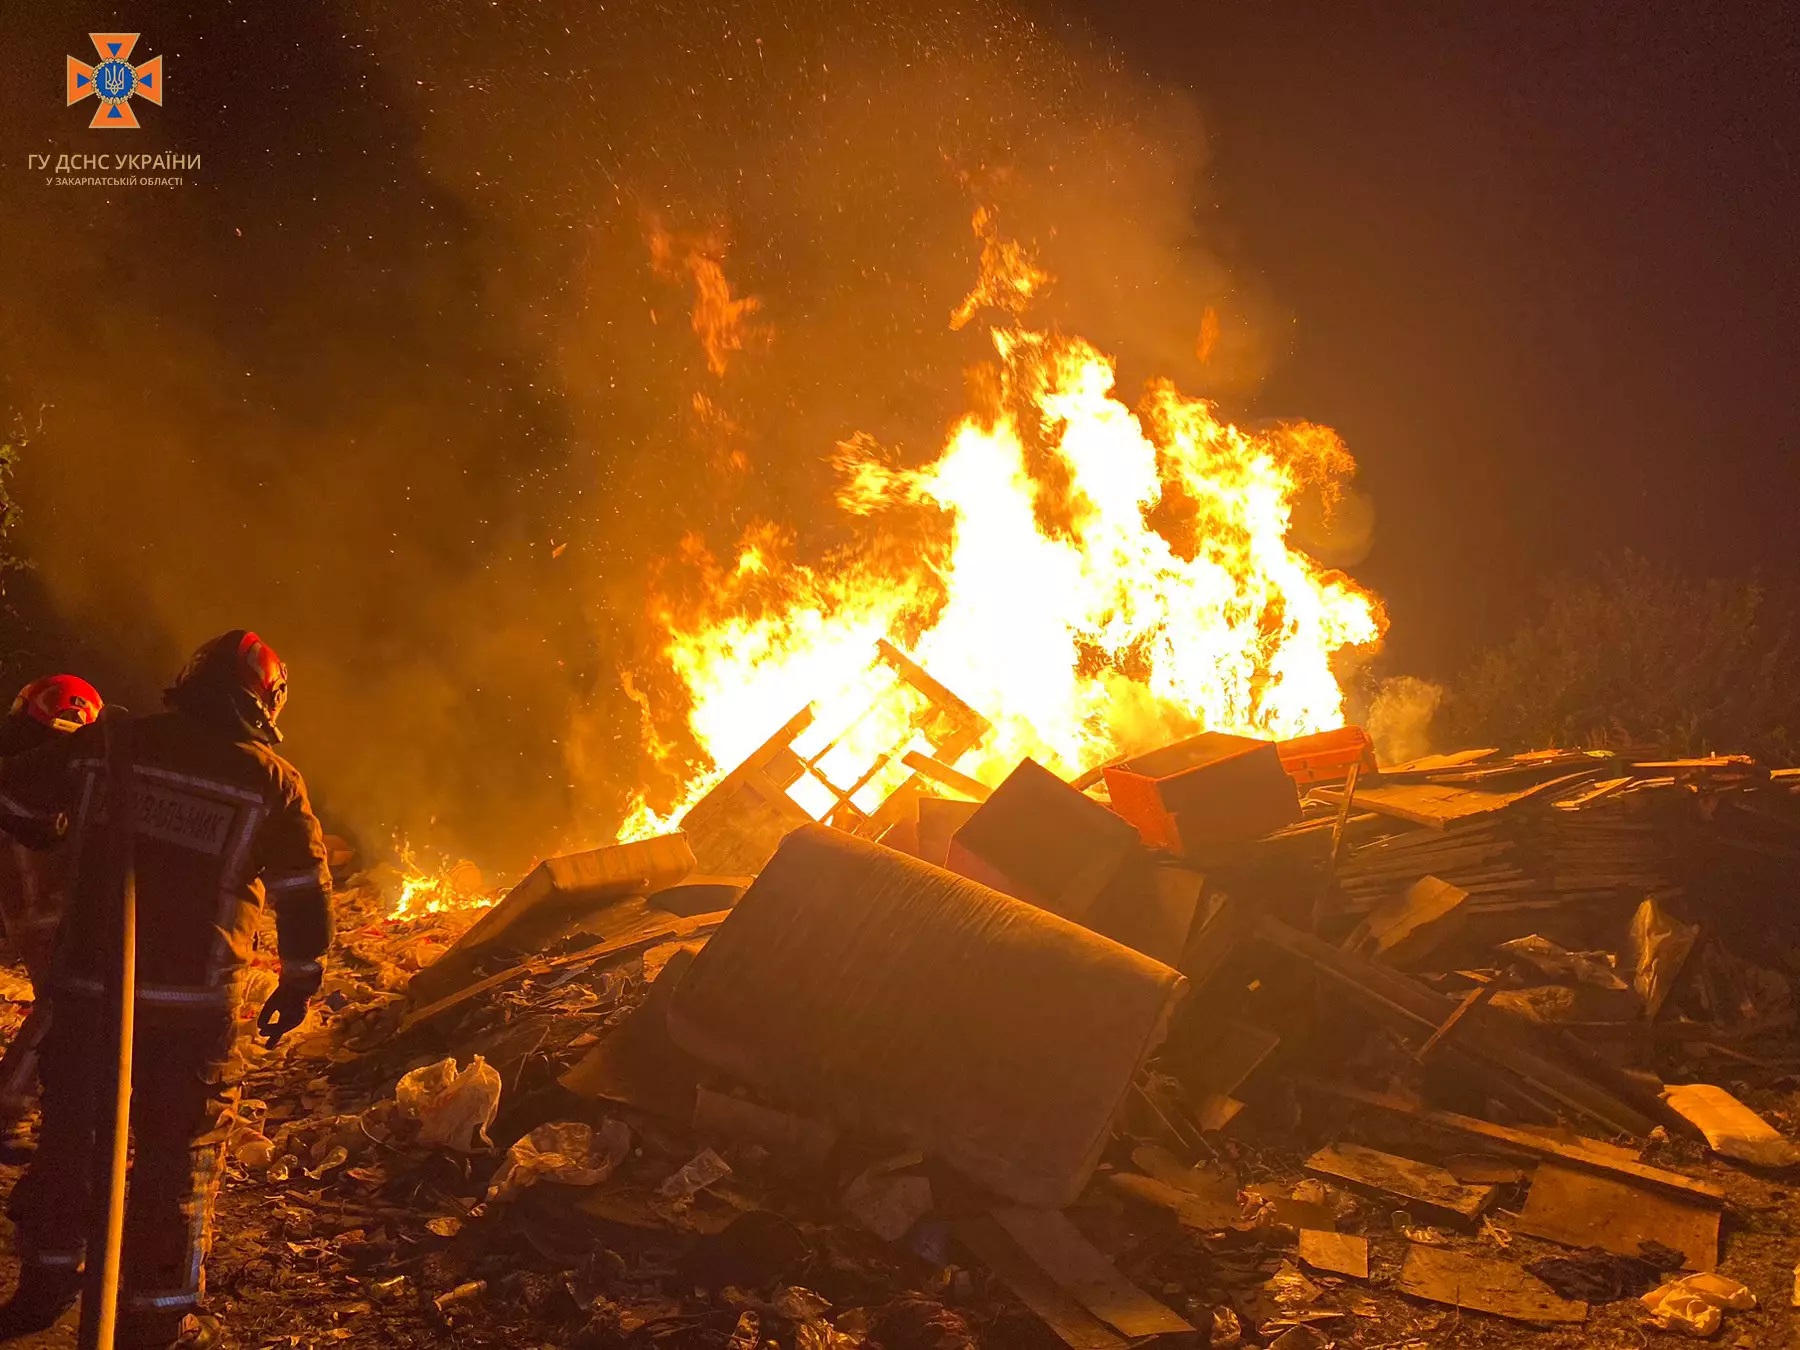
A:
(183, 1105)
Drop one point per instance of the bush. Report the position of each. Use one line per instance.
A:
(1640, 654)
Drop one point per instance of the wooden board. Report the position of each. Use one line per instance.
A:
(1058, 1249)
(1499, 1287)
(1427, 1191)
(1587, 1155)
(1202, 1213)
(1438, 805)
(1439, 763)
(646, 930)
(1335, 1253)
(1077, 1328)
(1583, 1210)
(1413, 924)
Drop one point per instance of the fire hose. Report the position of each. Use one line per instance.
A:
(100, 1291)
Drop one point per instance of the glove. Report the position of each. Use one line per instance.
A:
(285, 1009)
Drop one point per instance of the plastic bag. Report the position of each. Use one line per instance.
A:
(1731, 1128)
(1659, 948)
(569, 1152)
(1544, 955)
(706, 1168)
(453, 1107)
(1694, 1304)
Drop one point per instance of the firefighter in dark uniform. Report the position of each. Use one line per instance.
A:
(221, 823)
(33, 882)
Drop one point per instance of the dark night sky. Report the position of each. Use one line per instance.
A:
(1543, 268)
(1536, 262)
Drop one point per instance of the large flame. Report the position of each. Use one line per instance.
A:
(1091, 578)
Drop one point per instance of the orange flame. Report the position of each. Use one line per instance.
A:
(452, 886)
(1092, 579)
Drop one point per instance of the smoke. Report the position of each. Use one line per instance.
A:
(1399, 718)
(405, 381)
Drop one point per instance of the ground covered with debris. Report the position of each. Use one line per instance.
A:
(1478, 1051)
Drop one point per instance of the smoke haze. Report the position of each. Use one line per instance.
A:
(404, 381)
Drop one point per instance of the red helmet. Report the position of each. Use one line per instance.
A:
(246, 670)
(60, 702)
(264, 674)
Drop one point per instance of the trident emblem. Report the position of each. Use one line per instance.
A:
(115, 81)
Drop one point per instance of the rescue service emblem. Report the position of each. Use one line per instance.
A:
(114, 80)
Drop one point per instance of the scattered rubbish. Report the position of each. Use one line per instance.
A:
(1549, 959)
(1460, 929)
(747, 1333)
(1596, 1277)
(1290, 1289)
(1696, 1304)
(454, 1107)
(542, 905)
(1302, 1337)
(886, 1204)
(1659, 948)
(463, 1293)
(569, 1152)
(706, 1169)
(1402, 1223)
(1731, 1128)
(799, 1305)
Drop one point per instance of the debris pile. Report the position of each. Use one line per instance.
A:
(1237, 1042)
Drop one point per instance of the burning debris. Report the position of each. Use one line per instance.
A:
(1246, 1039)
(1094, 579)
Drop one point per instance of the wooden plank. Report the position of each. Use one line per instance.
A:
(1078, 1329)
(1335, 1253)
(650, 931)
(1438, 763)
(1427, 1191)
(1438, 806)
(1472, 1000)
(1205, 1214)
(1580, 1209)
(1409, 928)
(1586, 1155)
(1499, 1287)
(1057, 1247)
(945, 776)
(1605, 788)
(1412, 1009)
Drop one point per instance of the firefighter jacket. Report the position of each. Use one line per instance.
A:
(221, 825)
(33, 884)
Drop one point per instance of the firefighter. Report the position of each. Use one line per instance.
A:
(221, 822)
(33, 881)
